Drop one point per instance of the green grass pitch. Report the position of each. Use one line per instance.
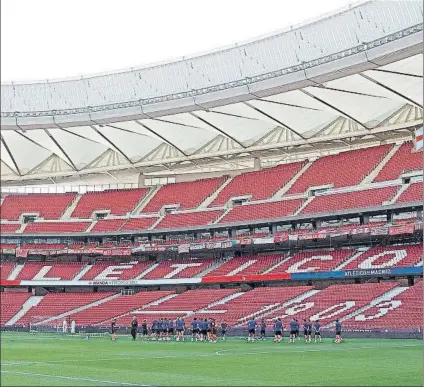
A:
(54, 360)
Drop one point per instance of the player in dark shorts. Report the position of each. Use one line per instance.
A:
(195, 331)
(305, 330)
(308, 330)
(293, 326)
(297, 329)
(209, 330)
(113, 329)
(263, 329)
(338, 339)
(134, 327)
(251, 327)
(180, 329)
(213, 337)
(170, 329)
(224, 327)
(278, 330)
(154, 329)
(203, 330)
(144, 332)
(165, 329)
(317, 331)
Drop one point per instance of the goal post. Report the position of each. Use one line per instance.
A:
(44, 324)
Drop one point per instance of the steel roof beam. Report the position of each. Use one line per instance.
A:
(11, 156)
(343, 113)
(410, 100)
(274, 119)
(142, 124)
(218, 129)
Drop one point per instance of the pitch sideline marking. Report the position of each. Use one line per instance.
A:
(225, 352)
(75, 378)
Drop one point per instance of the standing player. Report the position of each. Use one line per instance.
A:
(213, 331)
(209, 330)
(113, 329)
(278, 330)
(165, 329)
(203, 330)
(195, 330)
(305, 330)
(263, 329)
(144, 332)
(180, 329)
(134, 326)
(308, 330)
(251, 326)
(338, 339)
(170, 329)
(293, 326)
(224, 327)
(154, 329)
(317, 331)
(297, 329)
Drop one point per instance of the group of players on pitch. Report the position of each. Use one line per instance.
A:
(206, 330)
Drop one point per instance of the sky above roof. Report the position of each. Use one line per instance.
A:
(48, 39)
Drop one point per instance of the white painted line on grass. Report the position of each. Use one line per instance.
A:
(76, 378)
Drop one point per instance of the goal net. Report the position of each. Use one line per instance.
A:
(49, 324)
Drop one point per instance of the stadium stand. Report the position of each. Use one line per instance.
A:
(108, 225)
(118, 202)
(187, 195)
(342, 170)
(54, 304)
(388, 256)
(402, 311)
(9, 227)
(117, 307)
(350, 200)
(5, 269)
(64, 271)
(335, 301)
(413, 193)
(187, 219)
(11, 303)
(138, 224)
(323, 260)
(56, 227)
(258, 185)
(404, 160)
(49, 206)
(179, 269)
(255, 303)
(271, 210)
(246, 265)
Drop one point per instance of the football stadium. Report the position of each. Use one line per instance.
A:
(251, 215)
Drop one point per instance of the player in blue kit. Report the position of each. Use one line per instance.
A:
(305, 330)
(170, 329)
(317, 331)
(293, 327)
(308, 330)
(203, 330)
(297, 328)
(180, 329)
(165, 326)
(278, 330)
(154, 329)
(251, 326)
(195, 330)
(338, 339)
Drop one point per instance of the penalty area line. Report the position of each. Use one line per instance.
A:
(75, 378)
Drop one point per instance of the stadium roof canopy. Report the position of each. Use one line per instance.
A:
(343, 81)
